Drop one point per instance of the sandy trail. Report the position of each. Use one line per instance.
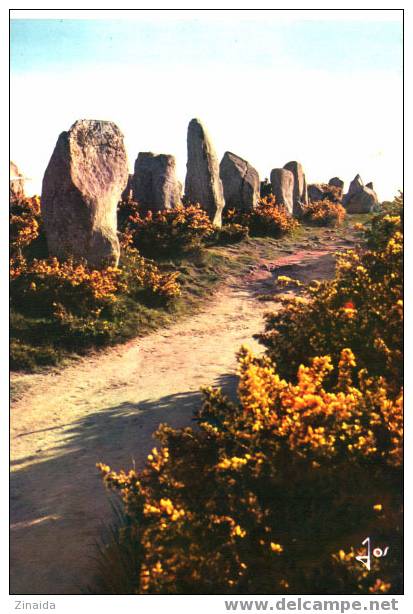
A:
(105, 408)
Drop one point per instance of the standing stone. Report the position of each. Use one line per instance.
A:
(265, 188)
(315, 192)
(360, 198)
(127, 192)
(300, 195)
(355, 186)
(363, 201)
(336, 182)
(16, 182)
(202, 183)
(282, 182)
(155, 186)
(82, 185)
(240, 181)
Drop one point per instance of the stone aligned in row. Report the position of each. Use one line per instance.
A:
(88, 174)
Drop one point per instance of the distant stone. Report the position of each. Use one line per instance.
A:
(82, 185)
(265, 188)
(363, 201)
(360, 198)
(315, 192)
(127, 192)
(282, 182)
(240, 181)
(154, 184)
(203, 184)
(16, 182)
(300, 194)
(324, 191)
(370, 185)
(337, 182)
(355, 186)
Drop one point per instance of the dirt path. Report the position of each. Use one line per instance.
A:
(105, 408)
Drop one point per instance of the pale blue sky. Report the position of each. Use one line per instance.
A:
(336, 46)
(327, 93)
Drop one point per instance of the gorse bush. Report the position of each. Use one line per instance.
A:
(362, 308)
(40, 283)
(229, 233)
(25, 225)
(323, 213)
(79, 307)
(59, 306)
(172, 231)
(331, 193)
(267, 219)
(384, 225)
(275, 493)
(263, 496)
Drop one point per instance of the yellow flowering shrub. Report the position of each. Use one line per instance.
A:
(25, 224)
(166, 232)
(324, 213)
(42, 283)
(267, 219)
(59, 306)
(331, 193)
(361, 308)
(275, 493)
(264, 494)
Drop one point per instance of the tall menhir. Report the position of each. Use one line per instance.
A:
(81, 187)
(203, 184)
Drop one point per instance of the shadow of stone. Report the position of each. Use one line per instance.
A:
(58, 503)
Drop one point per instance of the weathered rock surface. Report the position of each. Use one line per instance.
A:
(82, 185)
(16, 182)
(203, 184)
(240, 181)
(282, 182)
(300, 194)
(360, 198)
(155, 186)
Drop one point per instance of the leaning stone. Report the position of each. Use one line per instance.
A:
(82, 185)
(240, 181)
(155, 186)
(300, 194)
(282, 182)
(203, 184)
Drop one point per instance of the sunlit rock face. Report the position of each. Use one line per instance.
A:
(82, 185)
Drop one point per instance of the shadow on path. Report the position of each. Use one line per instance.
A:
(58, 500)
